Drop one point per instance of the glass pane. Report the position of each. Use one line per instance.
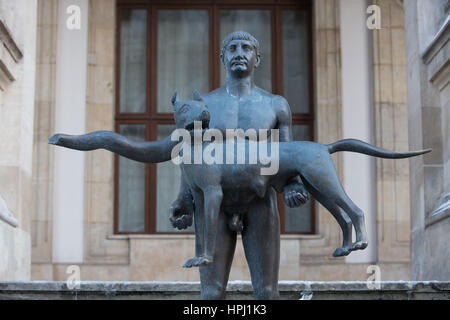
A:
(257, 23)
(183, 55)
(133, 50)
(298, 219)
(132, 185)
(168, 177)
(295, 59)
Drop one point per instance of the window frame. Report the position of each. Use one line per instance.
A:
(151, 118)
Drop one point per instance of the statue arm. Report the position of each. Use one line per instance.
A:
(295, 193)
(147, 151)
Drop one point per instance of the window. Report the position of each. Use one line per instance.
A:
(163, 47)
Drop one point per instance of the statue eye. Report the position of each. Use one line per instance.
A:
(184, 108)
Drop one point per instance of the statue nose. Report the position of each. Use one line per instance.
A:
(205, 114)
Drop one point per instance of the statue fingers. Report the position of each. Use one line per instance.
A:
(187, 220)
(301, 198)
(298, 201)
(305, 195)
(303, 192)
(179, 224)
(289, 199)
(182, 222)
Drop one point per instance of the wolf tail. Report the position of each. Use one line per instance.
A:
(354, 145)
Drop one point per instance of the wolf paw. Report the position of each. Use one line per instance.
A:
(198, 261)
(191, 263)
(359, 245)
(204, 260)
(341, 252)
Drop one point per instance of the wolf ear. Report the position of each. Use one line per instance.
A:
(197, 96)
(174, 98)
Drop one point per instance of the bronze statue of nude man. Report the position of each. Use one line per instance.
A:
(241, 104)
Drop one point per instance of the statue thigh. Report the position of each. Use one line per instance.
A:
(261, 240)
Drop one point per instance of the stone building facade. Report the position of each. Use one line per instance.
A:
(18, 27)
(57, 230)
(428, 57)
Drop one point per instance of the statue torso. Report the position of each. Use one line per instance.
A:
(254, 111)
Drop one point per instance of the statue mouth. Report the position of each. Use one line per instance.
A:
(239, 63)
(205, 125)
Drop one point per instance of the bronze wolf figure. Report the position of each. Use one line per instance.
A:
(222, 184)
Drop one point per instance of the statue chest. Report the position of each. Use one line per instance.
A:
(243, 115)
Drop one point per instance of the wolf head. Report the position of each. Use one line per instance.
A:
(188, 111)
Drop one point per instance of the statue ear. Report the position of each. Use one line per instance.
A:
(221, 60)
(174, 98)
(258, 61)
(197, 96)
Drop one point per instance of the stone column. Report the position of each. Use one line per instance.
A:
(68, 192)
(357, 116)
(391, 128)
(43, 153)
(100, 108)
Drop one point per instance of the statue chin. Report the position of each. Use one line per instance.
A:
(239, 70)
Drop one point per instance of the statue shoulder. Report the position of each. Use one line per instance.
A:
(281, 106)
(216, 93)
(276, 100)
(279, 101)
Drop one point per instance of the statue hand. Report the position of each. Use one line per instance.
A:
(295, 195)
(181, 213)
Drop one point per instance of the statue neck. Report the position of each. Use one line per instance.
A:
(238, 87)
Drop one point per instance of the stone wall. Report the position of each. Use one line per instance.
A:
(144, 257)
(427, 56)
(17, 87)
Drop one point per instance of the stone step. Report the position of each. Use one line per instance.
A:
(242, 290)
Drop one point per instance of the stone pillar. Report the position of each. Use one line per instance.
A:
(68, 192)
(391, 128)
(43, 153)
(17, 81)
(100, 108)
(357, 110)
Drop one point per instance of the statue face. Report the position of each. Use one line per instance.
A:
(240, 57)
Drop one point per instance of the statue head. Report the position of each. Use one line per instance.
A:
(186, 112)
(240, 52)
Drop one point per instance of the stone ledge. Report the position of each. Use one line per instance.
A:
(289, 290)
